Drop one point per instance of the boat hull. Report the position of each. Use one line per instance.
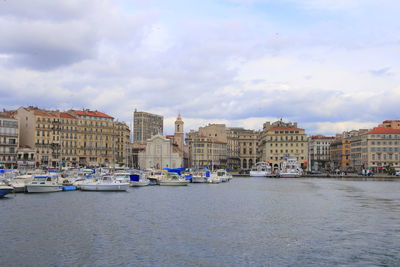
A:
(138, 183)
(4, 190)
(19, 189)
(105, 187)
(173, 183)
(43, 188)
(258, 174)
(198, 179)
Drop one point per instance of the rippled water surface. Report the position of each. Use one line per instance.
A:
(246, 222)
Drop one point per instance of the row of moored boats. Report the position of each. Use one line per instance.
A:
(289, 169)
(101, 180)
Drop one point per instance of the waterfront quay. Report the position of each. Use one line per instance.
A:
(246, 222)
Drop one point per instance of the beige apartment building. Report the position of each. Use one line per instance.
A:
(232, 148)
(380, 149)
(74, 137)
(355, 161)
(9, 140)
(319, 152)
(280, 140)
(248, 148)
(208, 147)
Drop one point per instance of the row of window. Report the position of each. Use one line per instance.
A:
(385, 156)
(287, 144)
(385, 149)
(282, 158)
(385, 143)
(287, 151)
(11, 131)
(286, 132)
(286, 138)
(386, 136)
(7, 123)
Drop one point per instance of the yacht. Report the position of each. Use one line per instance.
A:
(291, 168)
(44, 184)
(221, 175)
(20, 182)
(106, 183)
(173, 179)
(200, 176)
(261, 169)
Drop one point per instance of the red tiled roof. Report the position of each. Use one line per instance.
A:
(66, 115)
(384, 130)
(44, 113)
(91, 113)
(8, 114)
(389, 121)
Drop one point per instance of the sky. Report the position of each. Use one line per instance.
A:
(330, 65)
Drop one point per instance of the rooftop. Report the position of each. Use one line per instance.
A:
(91, 113)
(384, 130)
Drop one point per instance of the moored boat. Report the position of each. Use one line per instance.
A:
(105, 184)
(5, 189)
(44, 184)
(173, 180)
(261, 169)
(291, 169)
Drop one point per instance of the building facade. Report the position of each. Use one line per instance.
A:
(380, 149)
(340, 151)
(145, 125)
(319, 152)
(160, 153)
(394, 124)
(280, 140)
(73, 138)
(9, 140)
(248, 148)
(208, 147)
(232, 148)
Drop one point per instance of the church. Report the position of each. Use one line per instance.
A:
(165, 151)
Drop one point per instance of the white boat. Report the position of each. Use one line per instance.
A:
(137, 180)
(173, 180)
(105, 184)
(200, 176)
(291, 168)
(20, 182)
(220, 175)
(44, 184)
(261, 169)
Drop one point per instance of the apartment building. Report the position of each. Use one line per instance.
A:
(232, 148)
(208, 147)
(9, 139)
(319, 152)
(280, 140)
(145, 125)
(380, 149)
(248, 148)
(74, 137)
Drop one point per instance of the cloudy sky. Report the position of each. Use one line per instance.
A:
(330, 65)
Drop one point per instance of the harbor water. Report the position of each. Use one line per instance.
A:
(246, 222)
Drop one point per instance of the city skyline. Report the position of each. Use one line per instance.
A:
(329, 65)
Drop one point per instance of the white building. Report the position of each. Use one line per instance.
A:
(160, 153)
